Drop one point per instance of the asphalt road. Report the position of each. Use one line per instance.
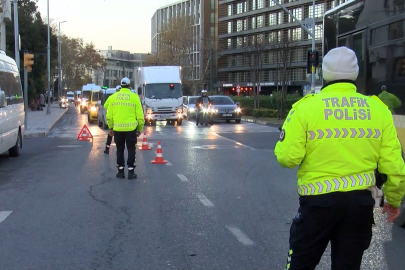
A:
(222, 202)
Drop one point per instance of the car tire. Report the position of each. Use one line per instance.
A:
(100, 124)
(238, 121)
(15, 151)
(105, 126)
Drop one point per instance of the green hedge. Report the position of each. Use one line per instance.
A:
(268, 113)
(266, 102)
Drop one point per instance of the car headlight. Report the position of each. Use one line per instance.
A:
(191, 109)
(237, 110)
(93, 109)
(84, 103)
(214, 110)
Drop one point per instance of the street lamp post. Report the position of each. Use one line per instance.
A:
(60, 63)
(48, 110)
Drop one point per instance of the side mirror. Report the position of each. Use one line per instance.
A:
(237, 104)
(2, 99)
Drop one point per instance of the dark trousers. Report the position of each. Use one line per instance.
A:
(109, 140)
(121, 139)
(344, 219)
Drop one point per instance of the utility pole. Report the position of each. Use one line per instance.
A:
(212, 68)
(48, 110)
(60, 63)
(16, 35)
(306, 30)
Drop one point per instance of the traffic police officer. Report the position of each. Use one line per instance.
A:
(338, 138)
(109, 137)
(125, 121)
(389, 99)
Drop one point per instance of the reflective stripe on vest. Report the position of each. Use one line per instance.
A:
(343, 133)
(123, 125)
(345, 183)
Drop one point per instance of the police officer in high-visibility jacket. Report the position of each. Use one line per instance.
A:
(338, 138)
(389, 99)
(125, 121)
(109, 137)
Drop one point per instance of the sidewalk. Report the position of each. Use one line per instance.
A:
(263, 121)
(39, 123)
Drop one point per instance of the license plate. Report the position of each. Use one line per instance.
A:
(227, 114)
(162, 116)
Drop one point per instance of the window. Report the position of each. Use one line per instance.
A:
(229, 27)
(239, 25)
(331, 4)
(318, 32)
(280, 17)
(260, 38)
(379, 35)
(319, 11)
(229, 10)
(212, 4)
(229, 43)
(272, 36)
(254, 23)
(297, 12)
(239, 42)
(260, 21)
(239, 8)
(260, 4)
(212, 17)
(212, 29)
(396, 30)
(295, 33)
(273, 19)
(271, 3)
(245, 24)
(253, 4)
(11, 85)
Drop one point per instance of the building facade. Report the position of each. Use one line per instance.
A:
(119, 64)
(240, 20)
(204, 19)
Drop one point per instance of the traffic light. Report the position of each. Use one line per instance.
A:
(28, 61)
(104, 87)
(312, 60)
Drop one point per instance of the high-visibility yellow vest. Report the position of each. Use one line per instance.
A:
(338, 137)
(125, 111)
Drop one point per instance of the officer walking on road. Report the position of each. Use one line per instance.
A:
(125, 121)
(109, 137)
(338, 138)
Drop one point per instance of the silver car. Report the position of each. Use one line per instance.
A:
(189, 107)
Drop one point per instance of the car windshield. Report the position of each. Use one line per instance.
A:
(222, 101)
(70, 95)
(163, 90)
(86, 94)
(94, 96)
(192, 100)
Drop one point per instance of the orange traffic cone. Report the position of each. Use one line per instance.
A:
(145, 145)
(159, 156)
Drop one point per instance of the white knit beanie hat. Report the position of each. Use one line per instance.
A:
(340, 64)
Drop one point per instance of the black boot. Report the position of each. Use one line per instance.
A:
(121, 173)
(107, 150)
(131, 174)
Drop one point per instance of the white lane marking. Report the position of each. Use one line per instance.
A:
(182, 177)
(204, 200)
(241, 236)
(238, 143)
(169, 164)
(4, 215)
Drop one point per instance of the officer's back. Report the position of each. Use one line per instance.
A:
(122, 106)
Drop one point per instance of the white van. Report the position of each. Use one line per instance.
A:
(103, 95)
(11, 107)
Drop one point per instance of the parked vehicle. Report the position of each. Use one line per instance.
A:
(161, 94)
(11, 107)
(86, 95)
(224, 108)
(70, 96)
(92, 115)
(102, 112)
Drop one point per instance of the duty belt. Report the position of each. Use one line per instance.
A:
(344, 183)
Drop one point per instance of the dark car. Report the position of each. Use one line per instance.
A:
(225, 108)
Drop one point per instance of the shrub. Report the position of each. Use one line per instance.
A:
(268, 113)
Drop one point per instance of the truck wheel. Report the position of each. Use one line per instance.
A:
(15, 151)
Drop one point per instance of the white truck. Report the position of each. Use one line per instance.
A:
(70, 96)
(161, 94)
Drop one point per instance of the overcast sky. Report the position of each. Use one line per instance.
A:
(122, 24)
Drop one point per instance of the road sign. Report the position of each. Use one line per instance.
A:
(308, 23)
(238, 88)
(84, 134)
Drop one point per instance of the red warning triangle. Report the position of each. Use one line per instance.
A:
(84, 134)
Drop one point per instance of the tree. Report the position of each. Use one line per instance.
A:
(284, 50)
(77, 58)
(256, 48)
(34, 38)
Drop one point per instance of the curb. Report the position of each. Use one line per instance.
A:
(261, 122)
(44, 133)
